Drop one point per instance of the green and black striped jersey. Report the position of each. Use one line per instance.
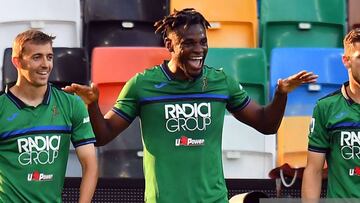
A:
(335, 131)
(181, 125)
(34, 144)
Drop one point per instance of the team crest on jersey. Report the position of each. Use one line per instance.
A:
(55, 112)
(37, 176)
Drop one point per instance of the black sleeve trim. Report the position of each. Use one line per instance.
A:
(317, 149)
(241, 106)
(84, 142)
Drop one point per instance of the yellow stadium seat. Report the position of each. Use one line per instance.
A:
(293, 141)
(233, 22)
(292, 148)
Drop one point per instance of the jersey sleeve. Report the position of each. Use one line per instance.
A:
(318, 136)
(238, 98)
(126, 105)
(82, 132)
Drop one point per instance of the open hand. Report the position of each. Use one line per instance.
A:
(87, 94)
(289, 84)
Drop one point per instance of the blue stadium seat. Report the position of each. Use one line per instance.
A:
(325, 62)
(70, 65)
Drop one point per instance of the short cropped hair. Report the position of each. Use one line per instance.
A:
(349, 41)
(185, 18)
(33, 36)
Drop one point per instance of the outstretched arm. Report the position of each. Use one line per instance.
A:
(107, 127)
(267, 119)
(87, 157)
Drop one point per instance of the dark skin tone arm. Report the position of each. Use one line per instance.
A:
(107, 127)
(264, 119)
(267, 119)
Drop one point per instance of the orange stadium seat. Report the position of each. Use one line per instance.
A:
(113, 66)
(292, 145)
(233, 24)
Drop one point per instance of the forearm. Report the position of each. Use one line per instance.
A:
(273, 113)
(88, 183)
(103, 131)
(311, 185)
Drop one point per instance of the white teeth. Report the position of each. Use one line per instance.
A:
(197, 58)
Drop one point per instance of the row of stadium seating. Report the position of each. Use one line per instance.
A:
(234, 23)
(247, 65)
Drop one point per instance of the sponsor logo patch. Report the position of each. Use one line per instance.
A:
(37, 176)
(186, 141)
(354, 171)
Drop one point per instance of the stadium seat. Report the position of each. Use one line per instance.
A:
(60, 19)
(122, 22)
(325, 62)
(255, 158)
(292, 147)
(70, 65)
(111, 68)
(246, 153)
(318, 24)
(353, 14)
(233, 24)
(246, 65)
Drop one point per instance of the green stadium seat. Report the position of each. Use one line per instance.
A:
(246, 65)
(302, 23)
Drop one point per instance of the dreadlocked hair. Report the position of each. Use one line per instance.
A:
(350, 39)
(185, 17)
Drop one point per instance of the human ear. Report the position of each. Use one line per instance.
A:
(16, 61)
(168, 44)
(346, 61)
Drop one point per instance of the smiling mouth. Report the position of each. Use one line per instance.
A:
(196, 62)
(43, 72)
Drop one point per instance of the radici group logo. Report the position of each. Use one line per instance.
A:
(38, 149)
(187, 117)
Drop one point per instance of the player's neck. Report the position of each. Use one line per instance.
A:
(178, 73)
(29, 94)
(353, 91)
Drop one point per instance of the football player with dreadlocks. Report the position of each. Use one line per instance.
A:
(181, 104)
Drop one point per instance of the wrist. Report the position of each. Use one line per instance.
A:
(279, 91)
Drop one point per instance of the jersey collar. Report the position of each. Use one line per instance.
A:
(345, 93)
(171, 76)
(20, 104)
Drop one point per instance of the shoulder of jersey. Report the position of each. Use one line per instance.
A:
(214, 69)
(151, 70)
(58, 89)
(337, 92)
